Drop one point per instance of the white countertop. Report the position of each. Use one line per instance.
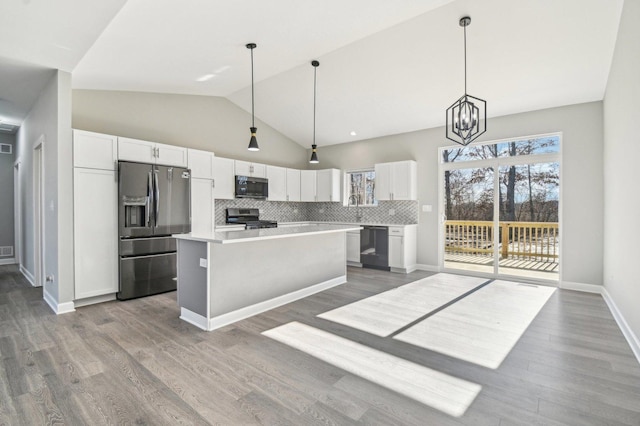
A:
(346, 223)
(228, 237)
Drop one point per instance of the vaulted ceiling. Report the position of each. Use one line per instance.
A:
(386, 67)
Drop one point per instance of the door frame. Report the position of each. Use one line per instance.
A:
(17, 213)
(496, 163)
(38, 211)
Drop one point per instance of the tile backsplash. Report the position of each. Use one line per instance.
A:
(404, 212)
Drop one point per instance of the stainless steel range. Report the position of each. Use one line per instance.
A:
(248, 217)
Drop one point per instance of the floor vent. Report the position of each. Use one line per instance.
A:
(6, 251)
(6, 148)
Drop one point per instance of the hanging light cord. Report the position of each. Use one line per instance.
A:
(315, 79)
(465, 59)
(253, 119)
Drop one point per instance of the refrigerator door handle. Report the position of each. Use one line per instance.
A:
(149, 201)
(156, 200)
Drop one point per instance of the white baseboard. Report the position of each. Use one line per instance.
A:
(428, 268)
(194, 319)
(587, 288)
(58, 308)
(631, 337)
(95, 299)
(10, 261)
(249, 311)
(28, 275)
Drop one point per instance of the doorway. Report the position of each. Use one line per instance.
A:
(500, 208)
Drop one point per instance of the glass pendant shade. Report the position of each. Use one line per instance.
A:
(253, 143)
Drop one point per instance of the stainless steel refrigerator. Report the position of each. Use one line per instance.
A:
(153, 204)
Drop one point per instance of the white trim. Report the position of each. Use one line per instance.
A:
(194, 319)
(17, 212)
(28, 276)
(95, 299)
(58, 308)
(586, 288)
(9, 261)
(428, 268)
(628, 333)
(249, 311)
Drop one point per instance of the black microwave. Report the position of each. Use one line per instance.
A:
(251, 187)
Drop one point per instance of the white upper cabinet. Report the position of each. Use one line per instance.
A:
(293, 185)
(328, 185)
(396, 181)
(151, 152)
(94, 150)
(307, 185)
(245, 168)
(223, 178)
(200, 163)
(277, 177)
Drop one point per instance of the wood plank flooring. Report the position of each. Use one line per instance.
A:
(136, 362)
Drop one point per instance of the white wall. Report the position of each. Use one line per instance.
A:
(621, 154)
(202, 122)
(6, 195)
(50, 119)
(582, 174)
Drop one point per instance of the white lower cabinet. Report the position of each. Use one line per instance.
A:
(95, 232)
(402, 248)
(353, 247)
(202, 217)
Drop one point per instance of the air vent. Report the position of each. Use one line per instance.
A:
(6, 148)
(6, 251)
(8, 127)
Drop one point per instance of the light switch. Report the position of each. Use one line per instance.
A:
(427, 208)
(203, 263)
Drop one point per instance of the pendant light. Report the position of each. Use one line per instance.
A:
(467, 117)
(314, 151)
(253, 143)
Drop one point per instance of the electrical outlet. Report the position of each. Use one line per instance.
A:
(203, 263)
(295, 211)
(427, 208)
(392, 212)
(321, 211)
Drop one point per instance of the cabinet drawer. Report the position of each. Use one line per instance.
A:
(396, 231)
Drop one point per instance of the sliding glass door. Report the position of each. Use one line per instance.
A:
(500, 206)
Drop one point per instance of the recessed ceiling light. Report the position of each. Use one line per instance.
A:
(205, 77)
(353, 133)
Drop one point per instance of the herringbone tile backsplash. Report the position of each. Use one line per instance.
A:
(405, 212)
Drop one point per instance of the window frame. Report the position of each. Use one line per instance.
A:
(347, 187)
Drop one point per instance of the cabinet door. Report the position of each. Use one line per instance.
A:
(95, 234)
(200, 163)
(383, 181)
(396, 251)
(94, 150)
(201, 206)
(307, 185)
(223, 178)
(136, 150)
(242, 168)
(293, 185)
(328, 185)
(277, 183)
(170, 155)
(258, 170)
(403, 180)
(353, 246)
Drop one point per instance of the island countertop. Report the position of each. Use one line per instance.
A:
(229, 237)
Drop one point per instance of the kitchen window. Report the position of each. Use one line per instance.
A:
(360, 188)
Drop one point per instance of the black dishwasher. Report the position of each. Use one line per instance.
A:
(374, 247)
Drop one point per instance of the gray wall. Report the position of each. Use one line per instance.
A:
(582, 177)
(202, 122)
(6, 195)
(50, 119)
(621, 153)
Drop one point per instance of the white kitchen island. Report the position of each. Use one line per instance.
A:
(228, 276)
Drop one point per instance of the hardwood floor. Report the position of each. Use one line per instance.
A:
(136, 362)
